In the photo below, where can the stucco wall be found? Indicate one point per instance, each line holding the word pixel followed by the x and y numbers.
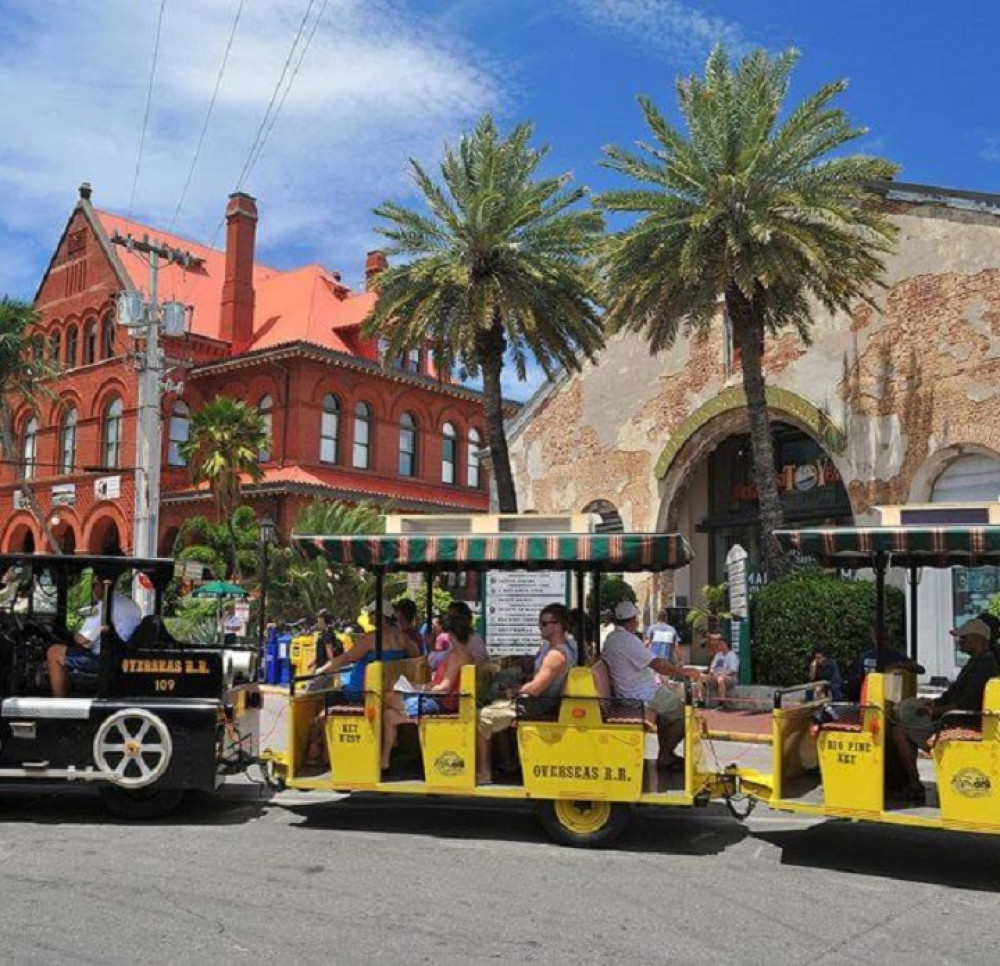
pixel 902 383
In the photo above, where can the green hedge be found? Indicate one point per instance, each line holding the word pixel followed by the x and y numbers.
pixel 791 615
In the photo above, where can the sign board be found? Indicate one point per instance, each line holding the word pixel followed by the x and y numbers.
pixel 736 574
pixel 64 494
pixel 512 604
pixel 108 487
pixel 20 500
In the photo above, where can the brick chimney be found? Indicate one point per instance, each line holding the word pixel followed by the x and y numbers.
pixel 375 262
pixel 237 290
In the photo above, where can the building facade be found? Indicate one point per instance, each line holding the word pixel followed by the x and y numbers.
pixel 892 404
pixel 344 422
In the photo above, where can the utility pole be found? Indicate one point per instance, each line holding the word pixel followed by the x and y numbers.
pixel 144 319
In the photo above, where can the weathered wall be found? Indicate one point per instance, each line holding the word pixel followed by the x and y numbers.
pixel 900 384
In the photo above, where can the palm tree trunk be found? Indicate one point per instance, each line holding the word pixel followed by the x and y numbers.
pixel 490 347
pixel 10 446
pixel 748 332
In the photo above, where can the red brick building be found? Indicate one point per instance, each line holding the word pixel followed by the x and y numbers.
pixel 344 423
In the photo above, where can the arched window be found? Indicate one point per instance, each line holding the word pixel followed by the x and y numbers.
pixel 408 445
pixel 29 448
pixel 89 343
pixel 55 347
pixel 329 430
pixel 449 453
pixel 111 433
pixel 475 445
pixel 72 337
pixel 266 409
pixel 108 336
pixel 362 436
pixel 67 442
pixel 179 430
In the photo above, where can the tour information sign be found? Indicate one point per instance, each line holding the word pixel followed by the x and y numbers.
pixel 512 604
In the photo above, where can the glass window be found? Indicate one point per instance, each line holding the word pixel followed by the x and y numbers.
pixel 89 343
pixel 55 347
pixel 71 340
pixel 29 450
pixel 362 435
pixel 475 445
pixel 408 445
pixel 449 453
pixel 266 409
pixel 108 336
pixel 179 430
pixel 67 443
pixel 112 433
pixel 329 431
pixel 414 358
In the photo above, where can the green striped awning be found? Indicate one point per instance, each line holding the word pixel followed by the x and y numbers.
pixel 562 551
pixel 903 546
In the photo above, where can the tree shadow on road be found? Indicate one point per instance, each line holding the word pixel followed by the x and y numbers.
pixel 954 859
pixel 683 832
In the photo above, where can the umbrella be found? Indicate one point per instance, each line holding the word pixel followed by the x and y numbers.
pixel 218 590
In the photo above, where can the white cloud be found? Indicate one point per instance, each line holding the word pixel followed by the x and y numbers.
pixel 376 87
pixel 680 30
pixel 989 146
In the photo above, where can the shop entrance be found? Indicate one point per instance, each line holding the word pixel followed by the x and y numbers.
pixel 812 494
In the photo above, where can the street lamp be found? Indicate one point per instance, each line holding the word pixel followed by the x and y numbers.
pixel 268 532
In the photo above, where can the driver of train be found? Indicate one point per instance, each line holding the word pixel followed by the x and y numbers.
pixel 84 653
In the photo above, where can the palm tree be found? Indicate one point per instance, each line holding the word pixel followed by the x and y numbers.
pixel 500 261
pixel 750 206
pixel 224 445
pixel 24 373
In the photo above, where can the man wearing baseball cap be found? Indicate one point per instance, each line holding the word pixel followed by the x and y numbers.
pixel 920 719
pixel 631 667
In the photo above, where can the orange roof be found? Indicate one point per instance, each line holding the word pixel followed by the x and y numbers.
pixel 307 304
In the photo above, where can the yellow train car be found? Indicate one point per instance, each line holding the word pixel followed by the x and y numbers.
pixel 583 760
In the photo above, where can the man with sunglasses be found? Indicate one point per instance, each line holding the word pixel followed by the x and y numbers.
pixel 919 719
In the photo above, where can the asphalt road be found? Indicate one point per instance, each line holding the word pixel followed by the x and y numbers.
pixel 315 880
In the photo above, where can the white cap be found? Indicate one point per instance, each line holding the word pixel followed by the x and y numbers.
pixel 625 610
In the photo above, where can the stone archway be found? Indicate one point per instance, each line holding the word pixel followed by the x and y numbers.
pixel 105 533
pixel 22 536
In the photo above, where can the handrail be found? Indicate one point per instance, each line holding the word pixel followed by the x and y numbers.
pixel 779 693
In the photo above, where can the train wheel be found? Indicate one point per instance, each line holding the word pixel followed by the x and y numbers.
pixel 584 824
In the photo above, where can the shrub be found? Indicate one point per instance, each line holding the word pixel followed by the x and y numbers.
pixel 614 589
pixel 791 615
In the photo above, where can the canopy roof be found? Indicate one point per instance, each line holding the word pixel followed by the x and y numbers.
pixel 901 546
pixel 504 551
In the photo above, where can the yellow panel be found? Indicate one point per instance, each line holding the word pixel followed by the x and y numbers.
pixel 969 772
pixel 448 745
pixel 354 741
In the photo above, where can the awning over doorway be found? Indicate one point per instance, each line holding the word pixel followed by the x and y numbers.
pixel 856 547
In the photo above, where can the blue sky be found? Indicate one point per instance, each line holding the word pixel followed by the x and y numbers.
pixel 385 79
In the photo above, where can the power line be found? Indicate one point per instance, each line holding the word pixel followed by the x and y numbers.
pixel 149 101
pixel 208 115
pixel 291 81
pixel 274 97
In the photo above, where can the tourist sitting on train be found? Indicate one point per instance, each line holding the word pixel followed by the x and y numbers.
pixel 459 609
pixel 823 668
pixel 723 668
pixel 919 718
pixel 361 653
pixel 439 697
pixel 633 669
pixel 404 611
pixel 84 653
pixel 557 653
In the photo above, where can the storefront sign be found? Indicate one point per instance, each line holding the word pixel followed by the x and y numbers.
pixel 108 487
pixel 20 500
pixel 64 494
pixel 513 601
